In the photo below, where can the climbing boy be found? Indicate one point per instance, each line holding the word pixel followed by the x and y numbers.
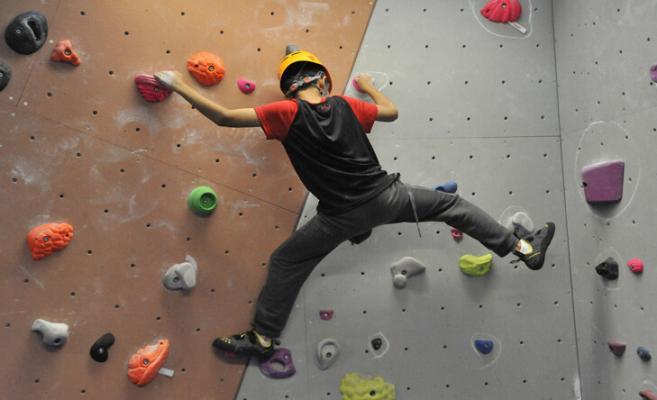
pixel 326 142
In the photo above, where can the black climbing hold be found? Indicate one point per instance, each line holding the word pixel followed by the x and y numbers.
pixel 5 74
pixel 644 354
pixel 100 349
pixel 27 32
pixel 360 238
pixel 377 343
pixel 608 269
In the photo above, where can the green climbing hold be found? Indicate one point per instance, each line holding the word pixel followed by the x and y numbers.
pixel 359 387
pixel 202 200
pixel 476 266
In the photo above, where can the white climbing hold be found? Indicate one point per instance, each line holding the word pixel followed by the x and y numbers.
pixel 405 268
pixel 327 352
pixel 52 333
pixel 181 276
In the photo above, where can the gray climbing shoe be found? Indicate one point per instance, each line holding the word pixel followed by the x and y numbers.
pixel 539 239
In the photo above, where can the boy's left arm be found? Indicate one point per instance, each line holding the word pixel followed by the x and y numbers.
pixel 220 115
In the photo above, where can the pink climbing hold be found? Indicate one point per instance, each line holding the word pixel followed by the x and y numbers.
pixel 356 85
pixel 653 73
pixel 648 394
pixel 502 10
pixel 616 347
pixel 456 234
pixel 150 88
pixel 603 182
pixel 325 315
pixel 635 265
pixel 246 86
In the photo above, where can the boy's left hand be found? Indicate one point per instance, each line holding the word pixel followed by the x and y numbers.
pixel 171 80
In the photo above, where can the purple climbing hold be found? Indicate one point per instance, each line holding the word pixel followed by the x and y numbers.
pixel 603 182
pixel 644 354
pixel 653 73
pixel 246 86
pixel 616 347
pixel 608 269
pixel 484 346
pixel 271 367
pixel 325 315
pixel 447 187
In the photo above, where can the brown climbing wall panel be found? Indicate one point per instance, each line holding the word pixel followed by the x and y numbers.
pixel 80 145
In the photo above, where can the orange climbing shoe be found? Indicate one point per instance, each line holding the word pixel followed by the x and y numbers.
pixel 45 239
pixel 144 365
pixel 245 343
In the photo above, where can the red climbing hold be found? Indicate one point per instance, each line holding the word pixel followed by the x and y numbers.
pixel 246 86
pixel 64 52
pixel 151 90
pixel 206 68
pixel 635 265
pixel 456 234
pixel 616 347
pixel 45 239
pixel 325 315
pixel 502 10
pixel 144 365
pixel 648 395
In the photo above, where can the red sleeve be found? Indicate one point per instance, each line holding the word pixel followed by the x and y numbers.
pixel 365 112
pixel 276 118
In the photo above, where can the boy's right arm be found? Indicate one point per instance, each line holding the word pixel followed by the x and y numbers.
pixel 386 109
pixel 220 115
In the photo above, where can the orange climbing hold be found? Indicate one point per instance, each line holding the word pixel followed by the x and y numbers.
pixel 45 239
pixel 206 68
pixel 64 52
pixel 144 365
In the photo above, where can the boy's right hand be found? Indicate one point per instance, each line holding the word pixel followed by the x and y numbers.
pixel 171 80
pixel 365 81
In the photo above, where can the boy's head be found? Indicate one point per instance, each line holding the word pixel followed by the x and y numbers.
pixel 300 70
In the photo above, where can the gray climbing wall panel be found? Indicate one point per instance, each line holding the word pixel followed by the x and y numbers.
pixel 477 105
pixel 604 50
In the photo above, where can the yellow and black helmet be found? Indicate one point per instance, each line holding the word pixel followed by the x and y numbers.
pixel 295 57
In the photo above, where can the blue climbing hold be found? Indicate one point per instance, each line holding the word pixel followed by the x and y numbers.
pixel 447 187
pixel 484 346
pixel 644 354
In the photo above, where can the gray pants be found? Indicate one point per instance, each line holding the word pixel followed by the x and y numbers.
pixel 294 260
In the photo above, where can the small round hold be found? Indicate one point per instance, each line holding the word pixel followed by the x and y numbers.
pixel 399 281
pixel 27 32
pixel 246 86
pixel 377 343
pixel 5 74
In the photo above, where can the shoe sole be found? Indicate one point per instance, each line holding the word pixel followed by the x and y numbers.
pixel 218 345
pixel 544 245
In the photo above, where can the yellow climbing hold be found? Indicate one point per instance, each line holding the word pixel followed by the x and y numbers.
pixel 359 387
pixel 476 266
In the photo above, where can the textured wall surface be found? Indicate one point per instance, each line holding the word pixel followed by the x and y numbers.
pixel 80 145
pixel 478 104
pixel 607 104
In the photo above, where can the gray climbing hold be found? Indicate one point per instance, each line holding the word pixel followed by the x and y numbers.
pixel 5 74
pixel 644 354
pixel 52 334
pixel 181 276
pixel 404 269
pixel 378 345
pixel 27 32
pixel 616 347
pixel 291 48
pixel 327 352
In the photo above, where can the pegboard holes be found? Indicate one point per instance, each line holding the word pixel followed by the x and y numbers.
pixel 364 311
pixel 403 310
pixel 110 72
pixel 126 33
pixel 212 290
pixel 216 160
pixel 7 324
pixel 226 251
pixel 49 94
pixel 178 145
pixel 430 119
pixel 122 170
pixel 503 81
pixel 182 13
pixel 183 369
pixel 258 49
pixel 363 272
pixel 467 118
pixel 188 238
pixel 72 294
pixel 32 137
pixel 164 185
pixel 522 342
pixel 36 380
pixel 148 225
pixel 501 45
pixel 168 51
pixel 116 306
pixel 540 81
pixel 133 265
pixel 78 155
pixel 26 280
pixel 221 32
pixel 94 112
pixel 198 329
pixel 322 274
pixel 307 30
pixel 89 252
pixel 388 46
pixel 158 318
pixel 289 189
pixel 14 180
pixel 83 13
pixel 137 129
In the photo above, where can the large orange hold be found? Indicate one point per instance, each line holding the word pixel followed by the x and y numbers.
pixel 147 361
pixel 206 68
pixel 45 239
